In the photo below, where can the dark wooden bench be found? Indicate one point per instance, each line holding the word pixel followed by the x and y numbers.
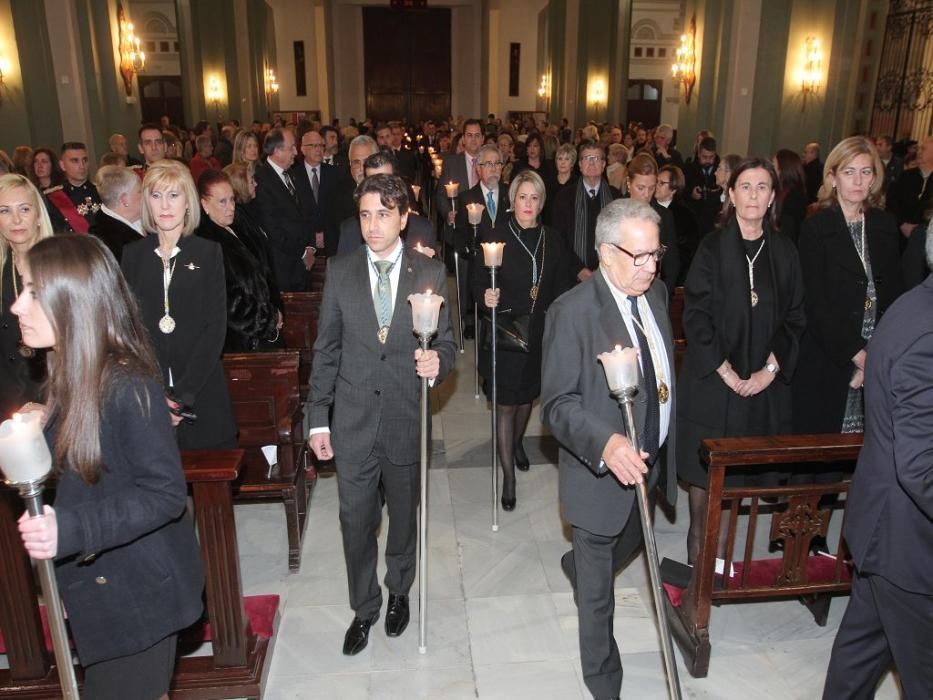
pixel 264 389
pixel 241 642
pixel 302 312
pixel 795 519
pixel 317 274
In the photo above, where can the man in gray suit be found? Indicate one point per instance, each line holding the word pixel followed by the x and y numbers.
pixel 367 365
pixel 459 168
pixel 621 304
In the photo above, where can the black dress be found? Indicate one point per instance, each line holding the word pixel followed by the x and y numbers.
pixel 20 377
pixel 721 323
pixel 518 373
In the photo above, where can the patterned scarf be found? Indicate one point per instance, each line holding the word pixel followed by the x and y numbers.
pixel 579 220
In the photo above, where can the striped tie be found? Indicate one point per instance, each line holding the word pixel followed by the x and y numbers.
pixel 383 297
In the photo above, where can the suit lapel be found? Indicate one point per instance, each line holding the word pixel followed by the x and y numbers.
pixel 364 291
pixel 401 321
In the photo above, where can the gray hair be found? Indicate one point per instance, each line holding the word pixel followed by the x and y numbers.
pixel 490 148
pixel 615 213
pixel 113 181
pixel 364 140
pixel 929 245
pixel 665 130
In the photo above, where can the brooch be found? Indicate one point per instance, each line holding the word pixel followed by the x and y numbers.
pixel 191 266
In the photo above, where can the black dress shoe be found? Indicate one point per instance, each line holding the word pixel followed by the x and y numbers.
pixel 397 615
pixel 508 493
pixel 357 636
pixel 469 333
pixel 520 458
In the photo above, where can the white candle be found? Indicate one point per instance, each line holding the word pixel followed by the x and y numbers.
pixel 437 172
pixel 452 189
pixel 492 254
pixel 621 367
pixel 417 191
pixel 475 213
pixel 24 453
pixel 425 309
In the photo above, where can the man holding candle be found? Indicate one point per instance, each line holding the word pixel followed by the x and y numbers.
pixel 623 304
pixel 367 366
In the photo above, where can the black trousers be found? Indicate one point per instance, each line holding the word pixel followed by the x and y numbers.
pixel 595 561
pixel 882 624
pixel 360 517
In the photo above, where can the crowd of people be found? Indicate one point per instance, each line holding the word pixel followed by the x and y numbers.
pixel 788 265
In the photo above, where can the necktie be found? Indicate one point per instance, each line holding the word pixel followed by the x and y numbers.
pixel 315 182
pixel 470 169
pixel 289 185
pixel 383 297
pixel 491 206
pixel 592 194
pixel 652 432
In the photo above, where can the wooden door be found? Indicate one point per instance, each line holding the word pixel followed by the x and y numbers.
pixel 406 60
pixel 644 102
pixel 161 95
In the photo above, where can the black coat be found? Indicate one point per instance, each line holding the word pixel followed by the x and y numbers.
pixel 464 233
pixel 706 209
pixel 670 265
pixel 793 212
pixel 718 326
pixel 317 210
pixel 114 233
pixel 836 288
pixel 128 563
pixel 21 377
pixel 251 314
pixel 687 234
pixel 194 351
pixel 564 215
pixel 288 226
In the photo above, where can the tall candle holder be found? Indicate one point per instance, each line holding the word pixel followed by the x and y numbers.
pixel 475 217
pixel 492 259
pixel 425 309
pixel 621 367
pixel 25 461
pixel 453 188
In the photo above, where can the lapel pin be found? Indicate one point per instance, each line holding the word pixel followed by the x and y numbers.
pixel 191 266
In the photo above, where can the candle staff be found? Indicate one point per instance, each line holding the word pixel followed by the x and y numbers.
pixel 453 190
pixel 492 259
pixel 475 217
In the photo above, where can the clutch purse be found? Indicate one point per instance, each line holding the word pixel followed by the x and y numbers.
pixel 513 332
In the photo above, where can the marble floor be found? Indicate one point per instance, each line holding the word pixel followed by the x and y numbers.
pixel 501 619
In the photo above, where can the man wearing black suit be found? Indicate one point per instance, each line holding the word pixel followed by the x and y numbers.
pixel 622 303
pixel 281 213
pixel 889 515
pixel 812 170
pixel 662 151
pixel 701 192
pixel 404 156
pixel 459 168
pixel 332 153
pixel 348 177
pixel 319 179
pixel 367 368
pixel 576 208
pixel 118 221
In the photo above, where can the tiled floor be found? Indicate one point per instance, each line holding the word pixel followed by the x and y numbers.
pixel 501 619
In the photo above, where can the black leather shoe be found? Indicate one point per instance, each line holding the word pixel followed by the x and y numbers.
pixel 469 332
pixel 508 493
pixel 357 636
pixel 397 615
pixel 520 458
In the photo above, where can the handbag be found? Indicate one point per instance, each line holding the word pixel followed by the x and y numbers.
pixel 513 332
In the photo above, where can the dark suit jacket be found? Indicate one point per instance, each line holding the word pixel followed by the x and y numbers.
pixel 835 289
pixel 913 196
pixel 454 169
pixel 889 514
pixel 198 303
pixel 373 388
pixel 114 233
pixel 564 215
pixel 464 232
pixel 707 208
pixel 407 163
pixel 288 225
pixel 131 528
pixel 317 210
pixel 582 415
pixel 418 230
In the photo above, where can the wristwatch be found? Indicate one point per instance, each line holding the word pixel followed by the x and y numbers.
pixel 771 367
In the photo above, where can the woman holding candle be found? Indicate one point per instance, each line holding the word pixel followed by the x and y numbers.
pixel 179 283
pixel 24 222
pixel 127 560
pixel 743 317
pixel 535 270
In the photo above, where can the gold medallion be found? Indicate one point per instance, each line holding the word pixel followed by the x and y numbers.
pixel 166 324
pixel 663 393
pixel 383 334
pixel 867 304
pixel 533 293
pixel 754 298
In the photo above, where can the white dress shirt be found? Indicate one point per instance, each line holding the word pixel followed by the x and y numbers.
pixel 136 226
pixel 279 172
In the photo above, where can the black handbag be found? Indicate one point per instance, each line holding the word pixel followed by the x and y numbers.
pixel 513 332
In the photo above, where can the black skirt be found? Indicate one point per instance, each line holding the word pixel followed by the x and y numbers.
pixel 144 675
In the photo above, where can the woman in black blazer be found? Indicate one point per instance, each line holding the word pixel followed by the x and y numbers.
pixel 793 204
pixel 179 283
pixel 743 316
pixel 851 274
pixel 127 560
pixel 253 319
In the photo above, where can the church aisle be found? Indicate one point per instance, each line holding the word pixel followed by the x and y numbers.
pixel 502 623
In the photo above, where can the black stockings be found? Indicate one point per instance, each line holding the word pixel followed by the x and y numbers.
pixel 698 501
pixel 511 422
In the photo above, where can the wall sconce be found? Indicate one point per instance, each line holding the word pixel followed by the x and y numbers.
pixel 544 87
pixel 132 57
pixel 5 68
pixel 811 75
pixel 272 83
pixel 684 70
pixel 597 93
pixel 214 93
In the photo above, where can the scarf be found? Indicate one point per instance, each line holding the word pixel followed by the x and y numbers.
pixel 579 218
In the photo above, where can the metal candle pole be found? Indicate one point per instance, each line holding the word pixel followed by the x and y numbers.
pixel 26 462
pixel 424 310
pixel 492 257
pixel 452 190
pixel 621 368
pixel 475 215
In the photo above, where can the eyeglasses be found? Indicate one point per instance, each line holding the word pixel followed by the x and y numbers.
pixel 312 145
pixel 665 183
pixel 592 159
pixel 491 164
pixel 640 259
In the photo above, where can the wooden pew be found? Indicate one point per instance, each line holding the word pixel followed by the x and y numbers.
pixel 795 520
pixel 302 312
pixel 317 274
pixel 264 389
pixel 238 665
